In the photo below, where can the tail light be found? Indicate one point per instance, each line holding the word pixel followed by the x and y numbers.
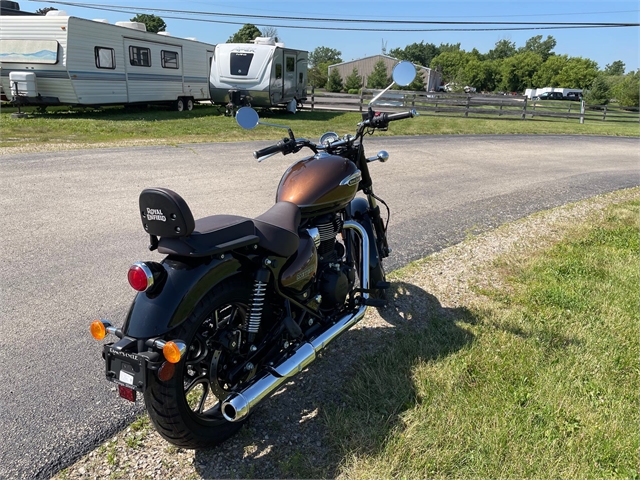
pixel 140 277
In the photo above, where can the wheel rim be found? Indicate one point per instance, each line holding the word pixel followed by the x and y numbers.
pixel 203 388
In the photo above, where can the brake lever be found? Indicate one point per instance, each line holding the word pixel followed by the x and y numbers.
pixel 262 159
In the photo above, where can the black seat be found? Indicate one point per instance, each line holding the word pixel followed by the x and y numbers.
pixel 275 230
pixel 278 228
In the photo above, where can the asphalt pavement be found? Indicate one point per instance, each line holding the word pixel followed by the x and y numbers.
pixel 71 230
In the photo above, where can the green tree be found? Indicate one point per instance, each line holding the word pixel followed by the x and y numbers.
pixel 353 81
pixel 518 71
pixel 577 73
pixel 541 47
pixel 247 34
pixel 43 11
pixel 599 93
pixel 318 75
pixel 483 75
pixel 451 64
pixel 627 92
pixel 616 68
pixel 419 53
pixel 547 74
pixel 334 83
pixel 379 77
pixel 502 49
pixel 449 47
pixel 153 23
pixel 326 55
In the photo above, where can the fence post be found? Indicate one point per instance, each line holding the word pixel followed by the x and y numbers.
pixel 313 91
pixel 500 114
pixel 582 111
pixel 361 99
pixel 413 101
pixel 569 111
pixel 533 108
pixel 466 110
pixel 524 109
pixel 604 114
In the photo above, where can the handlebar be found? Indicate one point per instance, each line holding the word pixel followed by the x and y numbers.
pixel 292 145
pixel 286 145
pixel 381 120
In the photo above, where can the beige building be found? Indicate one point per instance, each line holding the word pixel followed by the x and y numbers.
pixel 365 66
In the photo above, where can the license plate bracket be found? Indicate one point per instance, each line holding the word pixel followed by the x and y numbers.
pixel 126 368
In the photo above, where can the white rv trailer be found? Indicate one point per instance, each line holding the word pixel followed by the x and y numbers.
pixel 61 60
pixel 261 74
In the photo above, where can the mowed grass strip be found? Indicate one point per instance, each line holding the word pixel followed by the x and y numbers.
pixel 537 380
pixel 117 126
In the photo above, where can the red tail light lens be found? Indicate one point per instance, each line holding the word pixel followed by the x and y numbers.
pixel 140 277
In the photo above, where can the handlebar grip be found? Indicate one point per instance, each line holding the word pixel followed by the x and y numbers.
pixel 268 150
pixel 401 116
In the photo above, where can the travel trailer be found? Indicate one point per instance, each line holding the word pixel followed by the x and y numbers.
pixel 260 74
pixel 61 60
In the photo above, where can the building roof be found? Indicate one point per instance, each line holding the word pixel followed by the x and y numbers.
pixel 374 56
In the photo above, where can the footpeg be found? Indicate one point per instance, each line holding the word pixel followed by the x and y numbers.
pixel 375 302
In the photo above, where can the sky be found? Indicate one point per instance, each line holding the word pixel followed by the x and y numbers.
pixel 603 45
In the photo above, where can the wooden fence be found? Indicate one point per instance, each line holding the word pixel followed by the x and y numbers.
pixel 478 105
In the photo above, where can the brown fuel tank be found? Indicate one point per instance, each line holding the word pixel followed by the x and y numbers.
pixel 320 184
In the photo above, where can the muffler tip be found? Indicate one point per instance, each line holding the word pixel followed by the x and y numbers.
pixel 235 408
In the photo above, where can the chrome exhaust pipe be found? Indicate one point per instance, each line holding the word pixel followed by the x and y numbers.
pixel 238 405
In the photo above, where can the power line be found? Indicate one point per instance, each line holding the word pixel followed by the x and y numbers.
pixel 538 25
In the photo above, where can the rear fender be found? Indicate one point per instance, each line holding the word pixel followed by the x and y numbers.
pixel 154 313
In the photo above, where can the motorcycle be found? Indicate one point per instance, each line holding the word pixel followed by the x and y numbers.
pixel 238 305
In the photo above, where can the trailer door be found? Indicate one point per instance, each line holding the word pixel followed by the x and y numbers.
pixel 290 76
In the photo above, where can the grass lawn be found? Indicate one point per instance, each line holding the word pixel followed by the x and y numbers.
pixel 116 126
pixel 539 378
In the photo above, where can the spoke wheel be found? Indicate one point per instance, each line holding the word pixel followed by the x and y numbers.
pixel 186 408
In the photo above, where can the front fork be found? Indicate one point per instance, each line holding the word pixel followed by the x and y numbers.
pixel 378 225
pixel 366 185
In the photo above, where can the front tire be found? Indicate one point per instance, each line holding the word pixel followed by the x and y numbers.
pixel 186 409
pixel 179 104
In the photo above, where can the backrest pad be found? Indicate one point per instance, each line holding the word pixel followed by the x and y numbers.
pixel 164 213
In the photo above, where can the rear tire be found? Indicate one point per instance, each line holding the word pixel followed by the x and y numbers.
pixel 189 104
pixel 171 404
pixel 179 104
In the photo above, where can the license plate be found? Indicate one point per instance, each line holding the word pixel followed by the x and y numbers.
pixel 126 369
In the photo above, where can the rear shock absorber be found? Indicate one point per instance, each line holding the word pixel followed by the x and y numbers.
pixel 257 303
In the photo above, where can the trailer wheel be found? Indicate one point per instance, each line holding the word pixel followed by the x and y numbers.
pixel 179 105
pixel 189 104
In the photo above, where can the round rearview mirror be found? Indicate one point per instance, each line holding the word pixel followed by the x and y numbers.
pixel 404 73
pixel 247 118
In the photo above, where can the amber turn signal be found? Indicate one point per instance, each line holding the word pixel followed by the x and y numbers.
pixel 172 351
pixel 98 330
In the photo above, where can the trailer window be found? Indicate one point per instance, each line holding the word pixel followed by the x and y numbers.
pixel 240 62
pixel 291 64
pixel 169 59
pixel 29 51
pixel 139 56
pixel 105 57
pixel 278 71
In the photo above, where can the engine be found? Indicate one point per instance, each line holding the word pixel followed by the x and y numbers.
pixel 335 277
